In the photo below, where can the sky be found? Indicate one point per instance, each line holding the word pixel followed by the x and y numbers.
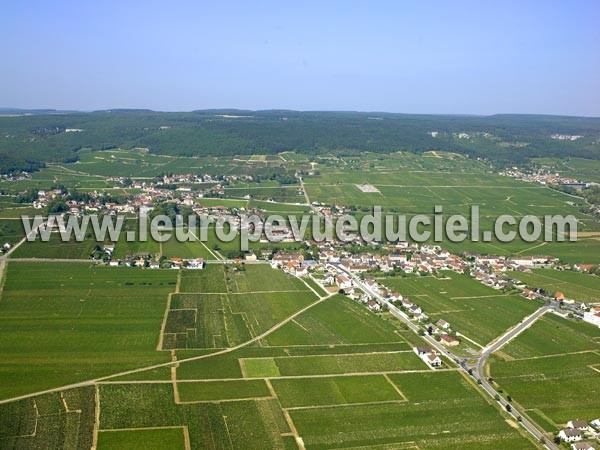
pixel 449 57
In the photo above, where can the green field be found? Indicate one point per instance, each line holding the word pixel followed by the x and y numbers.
pixel 217 307
pixel 251 424
pixel 477 311
pixel 458 418
pixel 336 375
pixel 61 323
pixel 261 278
pixel 220 320
pixel 210 279
pixel 553 335
pixel 11 231
pixel 142 439
pixel 56 248
pixel 206 391
pixel 574 285
pixel 335 321
pixel 552 370
pixel 62 420
pixel 304 392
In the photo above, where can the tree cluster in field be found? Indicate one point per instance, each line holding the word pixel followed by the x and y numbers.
pixel 28 142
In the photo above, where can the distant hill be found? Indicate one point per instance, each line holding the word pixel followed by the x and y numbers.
pixel 33 137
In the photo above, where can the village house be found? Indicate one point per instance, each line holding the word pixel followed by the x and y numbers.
pixel 578 425
pixel 281 258
pixel 422 350
pixel 374 306
pixel 583 446
pixel 197 263
pixel 343 281
pixel 428 355
pixel 434 360
pixel 443 324
pixel 448 340
pixel 415 309
pixel 570 435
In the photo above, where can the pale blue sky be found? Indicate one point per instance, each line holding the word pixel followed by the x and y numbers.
pixel 474 57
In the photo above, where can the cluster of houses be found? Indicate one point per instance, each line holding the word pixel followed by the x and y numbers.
pixel 428 355
pixel 150 262
pixel 544 177
pixel 577 431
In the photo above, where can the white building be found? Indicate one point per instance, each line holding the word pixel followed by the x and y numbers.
pixel 569 435
pixel 592 316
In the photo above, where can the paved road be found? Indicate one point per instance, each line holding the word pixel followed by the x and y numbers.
pixel 532 428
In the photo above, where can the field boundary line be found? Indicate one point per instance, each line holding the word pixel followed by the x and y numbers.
pixel 480 296
pixel 282 377
pixel 161 335
pixel 331 354
pixel 343 405
pixel 336 345
pixel 96 417
pixel 288 418
pixel 170 363
pixel 396 388
pixel 225 400
pixel 404 445
pixel 67 410
pixel 310 287
pixel 470 340
pixel 174 378
pixel 554 355
pixel 241 293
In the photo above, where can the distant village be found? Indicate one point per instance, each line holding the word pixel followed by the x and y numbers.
pixel 328 263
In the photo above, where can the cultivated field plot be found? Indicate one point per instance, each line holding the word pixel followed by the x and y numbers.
pixel 211 279
pixel 11 231
pixel 62 323
pixel 221 320
pixel 310 392
pixel 477 311
pixel 128 249
pixel 168 438
pixel 139 163
pixel 553 335
pixel 456 418
pixel 261 278
pixel 574 285
pixel 187 250
pixel 578 168
pixel 206 391
pixel 56 248
pixel 337 320
pixel 553 370
pixel 222 306
pixel 59 420
pixel 247 424
pixel 331 364
pixel 286 194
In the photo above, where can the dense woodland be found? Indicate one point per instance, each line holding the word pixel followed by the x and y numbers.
pixel 28 139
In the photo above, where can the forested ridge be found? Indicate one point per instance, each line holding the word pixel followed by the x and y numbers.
pixel 30 138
